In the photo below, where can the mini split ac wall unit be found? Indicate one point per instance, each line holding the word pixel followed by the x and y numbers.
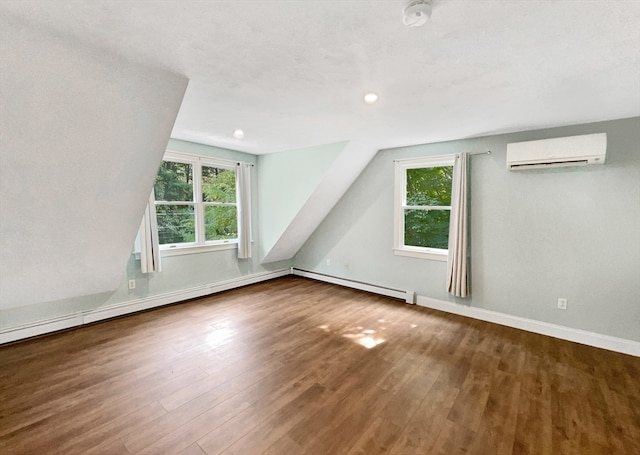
pixel 559 152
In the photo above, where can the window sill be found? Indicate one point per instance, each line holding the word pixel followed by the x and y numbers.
pixel 194 249
pixel 422 253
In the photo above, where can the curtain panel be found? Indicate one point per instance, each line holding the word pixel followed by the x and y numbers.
pixel 458 262
pixel 243 190
pixel 149 243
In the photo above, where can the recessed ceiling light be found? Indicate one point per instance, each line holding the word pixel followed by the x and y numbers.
pixel 238 133
pixel 370 98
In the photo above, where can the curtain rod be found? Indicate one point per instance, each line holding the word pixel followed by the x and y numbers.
pixel 243 162
pixel 488 152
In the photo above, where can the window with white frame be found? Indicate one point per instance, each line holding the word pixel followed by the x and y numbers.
pixel 196 201
pixel 423 206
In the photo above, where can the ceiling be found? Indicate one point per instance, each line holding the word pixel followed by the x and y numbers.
pixel 292 73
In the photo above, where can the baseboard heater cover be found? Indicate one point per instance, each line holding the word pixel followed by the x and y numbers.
pixel 407 296
pixel 74 320
pixel 70 321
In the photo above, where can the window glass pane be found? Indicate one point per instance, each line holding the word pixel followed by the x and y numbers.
pixel 427 228
pixel 176 223
pixel 220 222
pixel 218 185
pixel 174 182
pixel 429 186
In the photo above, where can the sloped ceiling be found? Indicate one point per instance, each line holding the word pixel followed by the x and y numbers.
pixel 285 182
pixel 287 232
pixel 292 73
pixel 83 133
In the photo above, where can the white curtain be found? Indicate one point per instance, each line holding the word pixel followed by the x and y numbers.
pixel 149 244
pixel 243 190
pixel 458 263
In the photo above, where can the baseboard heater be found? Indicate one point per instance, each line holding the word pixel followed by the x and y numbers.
pixel 89 316
pixel 407 296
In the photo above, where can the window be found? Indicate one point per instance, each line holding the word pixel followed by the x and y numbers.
pixel 423 207
pixel 196 202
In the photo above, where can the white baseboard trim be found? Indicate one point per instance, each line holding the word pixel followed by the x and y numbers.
pixel 132 306
pixel 531 325
pixel 407 296
pixel 120 309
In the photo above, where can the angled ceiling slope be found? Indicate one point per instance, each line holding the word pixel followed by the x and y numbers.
pixel 82 133
pixel 316 201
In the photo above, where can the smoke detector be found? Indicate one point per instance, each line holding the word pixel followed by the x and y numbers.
pixel 416 13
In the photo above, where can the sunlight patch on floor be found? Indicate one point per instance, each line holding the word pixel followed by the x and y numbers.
pixel 367 337
pixel 222 333
pixel 359 335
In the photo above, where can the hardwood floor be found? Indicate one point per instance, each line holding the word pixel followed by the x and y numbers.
pixel 294 366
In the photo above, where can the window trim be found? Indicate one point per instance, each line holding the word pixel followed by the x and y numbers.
pixel 192 248
pixel 200 245
pixel 400 204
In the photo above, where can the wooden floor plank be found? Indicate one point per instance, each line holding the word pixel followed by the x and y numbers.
pixel 284 445
pixel 297 366
pixel 422 430
pixel 275 426
pixel 184 436
pixel 193 449
pixel 377 439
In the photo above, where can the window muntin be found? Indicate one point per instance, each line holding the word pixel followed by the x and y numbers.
pixel 423 207
pixel 195 202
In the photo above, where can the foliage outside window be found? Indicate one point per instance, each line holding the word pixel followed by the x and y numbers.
pixel 423 207
pixel 196 203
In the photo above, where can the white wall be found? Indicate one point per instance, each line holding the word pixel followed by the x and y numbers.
pixel 535 235
pixel 82 134
pixel 287 179
pixel 179 273
pixel 300 187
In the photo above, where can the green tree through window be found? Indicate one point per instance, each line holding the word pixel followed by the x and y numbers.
pixel 423 206
pixel 195 201
pixel 176 222
pixel 219 187
pixel 430 190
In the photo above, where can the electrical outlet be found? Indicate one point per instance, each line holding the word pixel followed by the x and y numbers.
pixel 328 261
pixel 346 266
pixel 562 304
pixel 132 284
